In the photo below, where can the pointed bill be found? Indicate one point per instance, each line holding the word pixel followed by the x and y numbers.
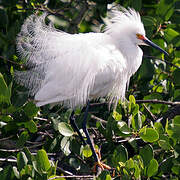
pixel 150 43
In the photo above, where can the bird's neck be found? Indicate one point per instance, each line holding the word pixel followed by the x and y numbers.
pixel 132 53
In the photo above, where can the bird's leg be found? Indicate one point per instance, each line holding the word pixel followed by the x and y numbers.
pixel 97 155
pixel 87 133
pixel 74 126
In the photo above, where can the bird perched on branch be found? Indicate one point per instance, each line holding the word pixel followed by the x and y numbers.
pixel 72 69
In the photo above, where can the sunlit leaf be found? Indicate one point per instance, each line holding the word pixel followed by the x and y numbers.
pixel 4 91
pixel 65 145
pixel 149 134
pixel 65 129
pixel 42 160
pixel 21 160
pixel 152 168
pixel 87 151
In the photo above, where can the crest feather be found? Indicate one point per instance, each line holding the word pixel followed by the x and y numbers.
pixel 124 20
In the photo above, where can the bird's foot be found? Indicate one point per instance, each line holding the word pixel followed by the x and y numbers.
pixel 102 165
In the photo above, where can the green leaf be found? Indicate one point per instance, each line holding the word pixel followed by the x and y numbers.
pixel 176 95
pixel 7 173
pixel 137 171
pixel 31 126
pixel 65 129
pixel 132 99
pixel 30 109
pixel 152 168
pixel 105 175
pixel 158 126
pixel 176 169
pixel 86 151
pixel 176 120
pixel 120 155
pixel 164 144
pixel 147 154
pixel 123 127
pixel 65 145
pixel 16 172
pixel 165 9
pixel 29 156
pixel 149 21
pixel 74 163
pixel 22 139
pixel 21 160
pixel 136 121
pixel 4 91
pixel 117 116
pixel 29 170
pixel 166 165
pixel 171 36
pixel 129 163
pixel 149 134
pixel 137 4
pixel 56 177
pixel 153 96
pixel 42 160
pixel 173 129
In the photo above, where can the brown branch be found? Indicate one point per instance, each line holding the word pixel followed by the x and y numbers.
pixel 8 160
pixel 4 139
pixel 98 119
pixel 156 101
pixel 74 176
pixel 153 57
pixel 170 114
pixel 151 114
pixel 1 57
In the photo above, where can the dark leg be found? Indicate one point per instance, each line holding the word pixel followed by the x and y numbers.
pixel 87 134
pixel 74 126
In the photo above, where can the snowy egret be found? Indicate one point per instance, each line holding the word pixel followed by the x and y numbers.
pixel 73 69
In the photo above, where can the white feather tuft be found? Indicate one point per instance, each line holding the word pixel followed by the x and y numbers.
pixel 70 69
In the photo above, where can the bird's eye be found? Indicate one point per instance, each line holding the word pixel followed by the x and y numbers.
pixel 140 36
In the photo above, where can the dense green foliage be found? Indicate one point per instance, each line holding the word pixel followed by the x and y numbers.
pixel 141 139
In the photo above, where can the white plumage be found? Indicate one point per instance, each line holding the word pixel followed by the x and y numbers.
pixel 70 69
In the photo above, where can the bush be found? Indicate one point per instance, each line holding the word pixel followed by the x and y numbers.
pixel 140 140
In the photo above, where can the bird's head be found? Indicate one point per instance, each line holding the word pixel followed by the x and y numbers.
pixel 126 27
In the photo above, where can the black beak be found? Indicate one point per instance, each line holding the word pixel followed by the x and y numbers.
pixel 150 43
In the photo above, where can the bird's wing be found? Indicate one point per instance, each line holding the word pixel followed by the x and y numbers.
pixel 63 66
pixel 70 76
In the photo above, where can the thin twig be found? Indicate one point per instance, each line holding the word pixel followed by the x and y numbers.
pixel 41 119
pixel 74 176
pixel 4 139
pixel 77 20
pixel 151 114
pixel 98 119
pixel 170 114
pixel 64 171
pixel 153 57
pixel 10 150
pixel 10 61
pixel 156 101
pixel 7 160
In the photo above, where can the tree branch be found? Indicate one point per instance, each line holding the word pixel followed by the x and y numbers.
pixel 77 20
pixel 170 114
pixel 156 101
pixel 153 57
pixel 74 176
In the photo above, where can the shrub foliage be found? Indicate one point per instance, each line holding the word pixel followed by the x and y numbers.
pixel 140 140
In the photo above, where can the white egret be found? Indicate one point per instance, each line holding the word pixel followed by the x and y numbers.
pixel 71 69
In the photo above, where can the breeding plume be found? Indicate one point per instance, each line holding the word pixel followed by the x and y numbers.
pixel 73 69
